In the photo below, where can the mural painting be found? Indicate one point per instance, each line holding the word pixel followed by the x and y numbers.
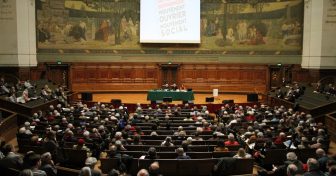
pixel 227 26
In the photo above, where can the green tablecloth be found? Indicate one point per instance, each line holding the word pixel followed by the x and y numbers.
pixel 154 95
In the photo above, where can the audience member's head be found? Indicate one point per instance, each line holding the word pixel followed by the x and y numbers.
pixel 291 156
pixel 220 143
pixel 34 160
pixel 312 164
pixel 143 172
pixel 154 169
pixel 114 172
pixel 332 170
pixel 80 142
pixel 46 158
pixel 91 162
pixel 152 153
pixel 26 172
pixel 7 148
pixel 320 152
pixel 85 171
pixel 180 151
pixel 241 152
pixel 292 170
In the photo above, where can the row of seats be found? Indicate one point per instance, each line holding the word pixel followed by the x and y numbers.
pixel 201 167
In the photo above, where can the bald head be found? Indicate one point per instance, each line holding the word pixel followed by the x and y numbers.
pixel 312 164
pixel 143 172
pixel 291 156
pixel 292 170
pixel 320 152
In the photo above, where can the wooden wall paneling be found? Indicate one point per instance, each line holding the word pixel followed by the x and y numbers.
pixel 151 75
pixel 91 75
pixel 24 73
pixel 144 76
pixel 114 76
pixel 78 76
pixel 226 77
pixel 70 77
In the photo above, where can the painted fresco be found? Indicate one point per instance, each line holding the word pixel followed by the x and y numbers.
pixel 227 27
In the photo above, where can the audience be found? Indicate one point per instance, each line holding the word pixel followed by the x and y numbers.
pixel 313 168
pixel 107 127
pixel 25 91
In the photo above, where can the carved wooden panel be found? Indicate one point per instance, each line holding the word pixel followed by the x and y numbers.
pixel 226 77
pixel 145 76
pixel 113 76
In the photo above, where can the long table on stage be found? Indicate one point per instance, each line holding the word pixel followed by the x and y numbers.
pixel 154 95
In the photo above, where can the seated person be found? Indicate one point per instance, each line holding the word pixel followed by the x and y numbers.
pixel 231 141
pixel 154 169
pixel 173 86
pixel 182 87
pixel 34 161
pixel 197 137
pixel 3 86
pixel 279 93
pixel 89 169
pixel 242 154
pixel 11 159
pixel 151 154
pixel 167 142
pixel 319 88
pixel 24 98
pixel 81 146
pixel 220 147
pixel 27 84
pixel 45 95
pixel 291 159
pixel 12 98
pixel 180 154
pixel 330 89
pixel 165 86
pixel 47 164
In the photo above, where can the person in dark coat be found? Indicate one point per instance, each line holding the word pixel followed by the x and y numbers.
pixel 47 164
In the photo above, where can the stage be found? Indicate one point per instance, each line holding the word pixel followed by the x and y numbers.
pixel 199 98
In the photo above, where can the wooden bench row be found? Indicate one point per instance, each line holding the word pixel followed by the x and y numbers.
pixel 194 148
pixel 192 167
pixel 172 155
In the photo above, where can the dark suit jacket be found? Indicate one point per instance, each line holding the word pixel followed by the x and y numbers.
pixel 12 160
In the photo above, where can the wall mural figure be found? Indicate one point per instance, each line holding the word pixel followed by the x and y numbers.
pixel 237 26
